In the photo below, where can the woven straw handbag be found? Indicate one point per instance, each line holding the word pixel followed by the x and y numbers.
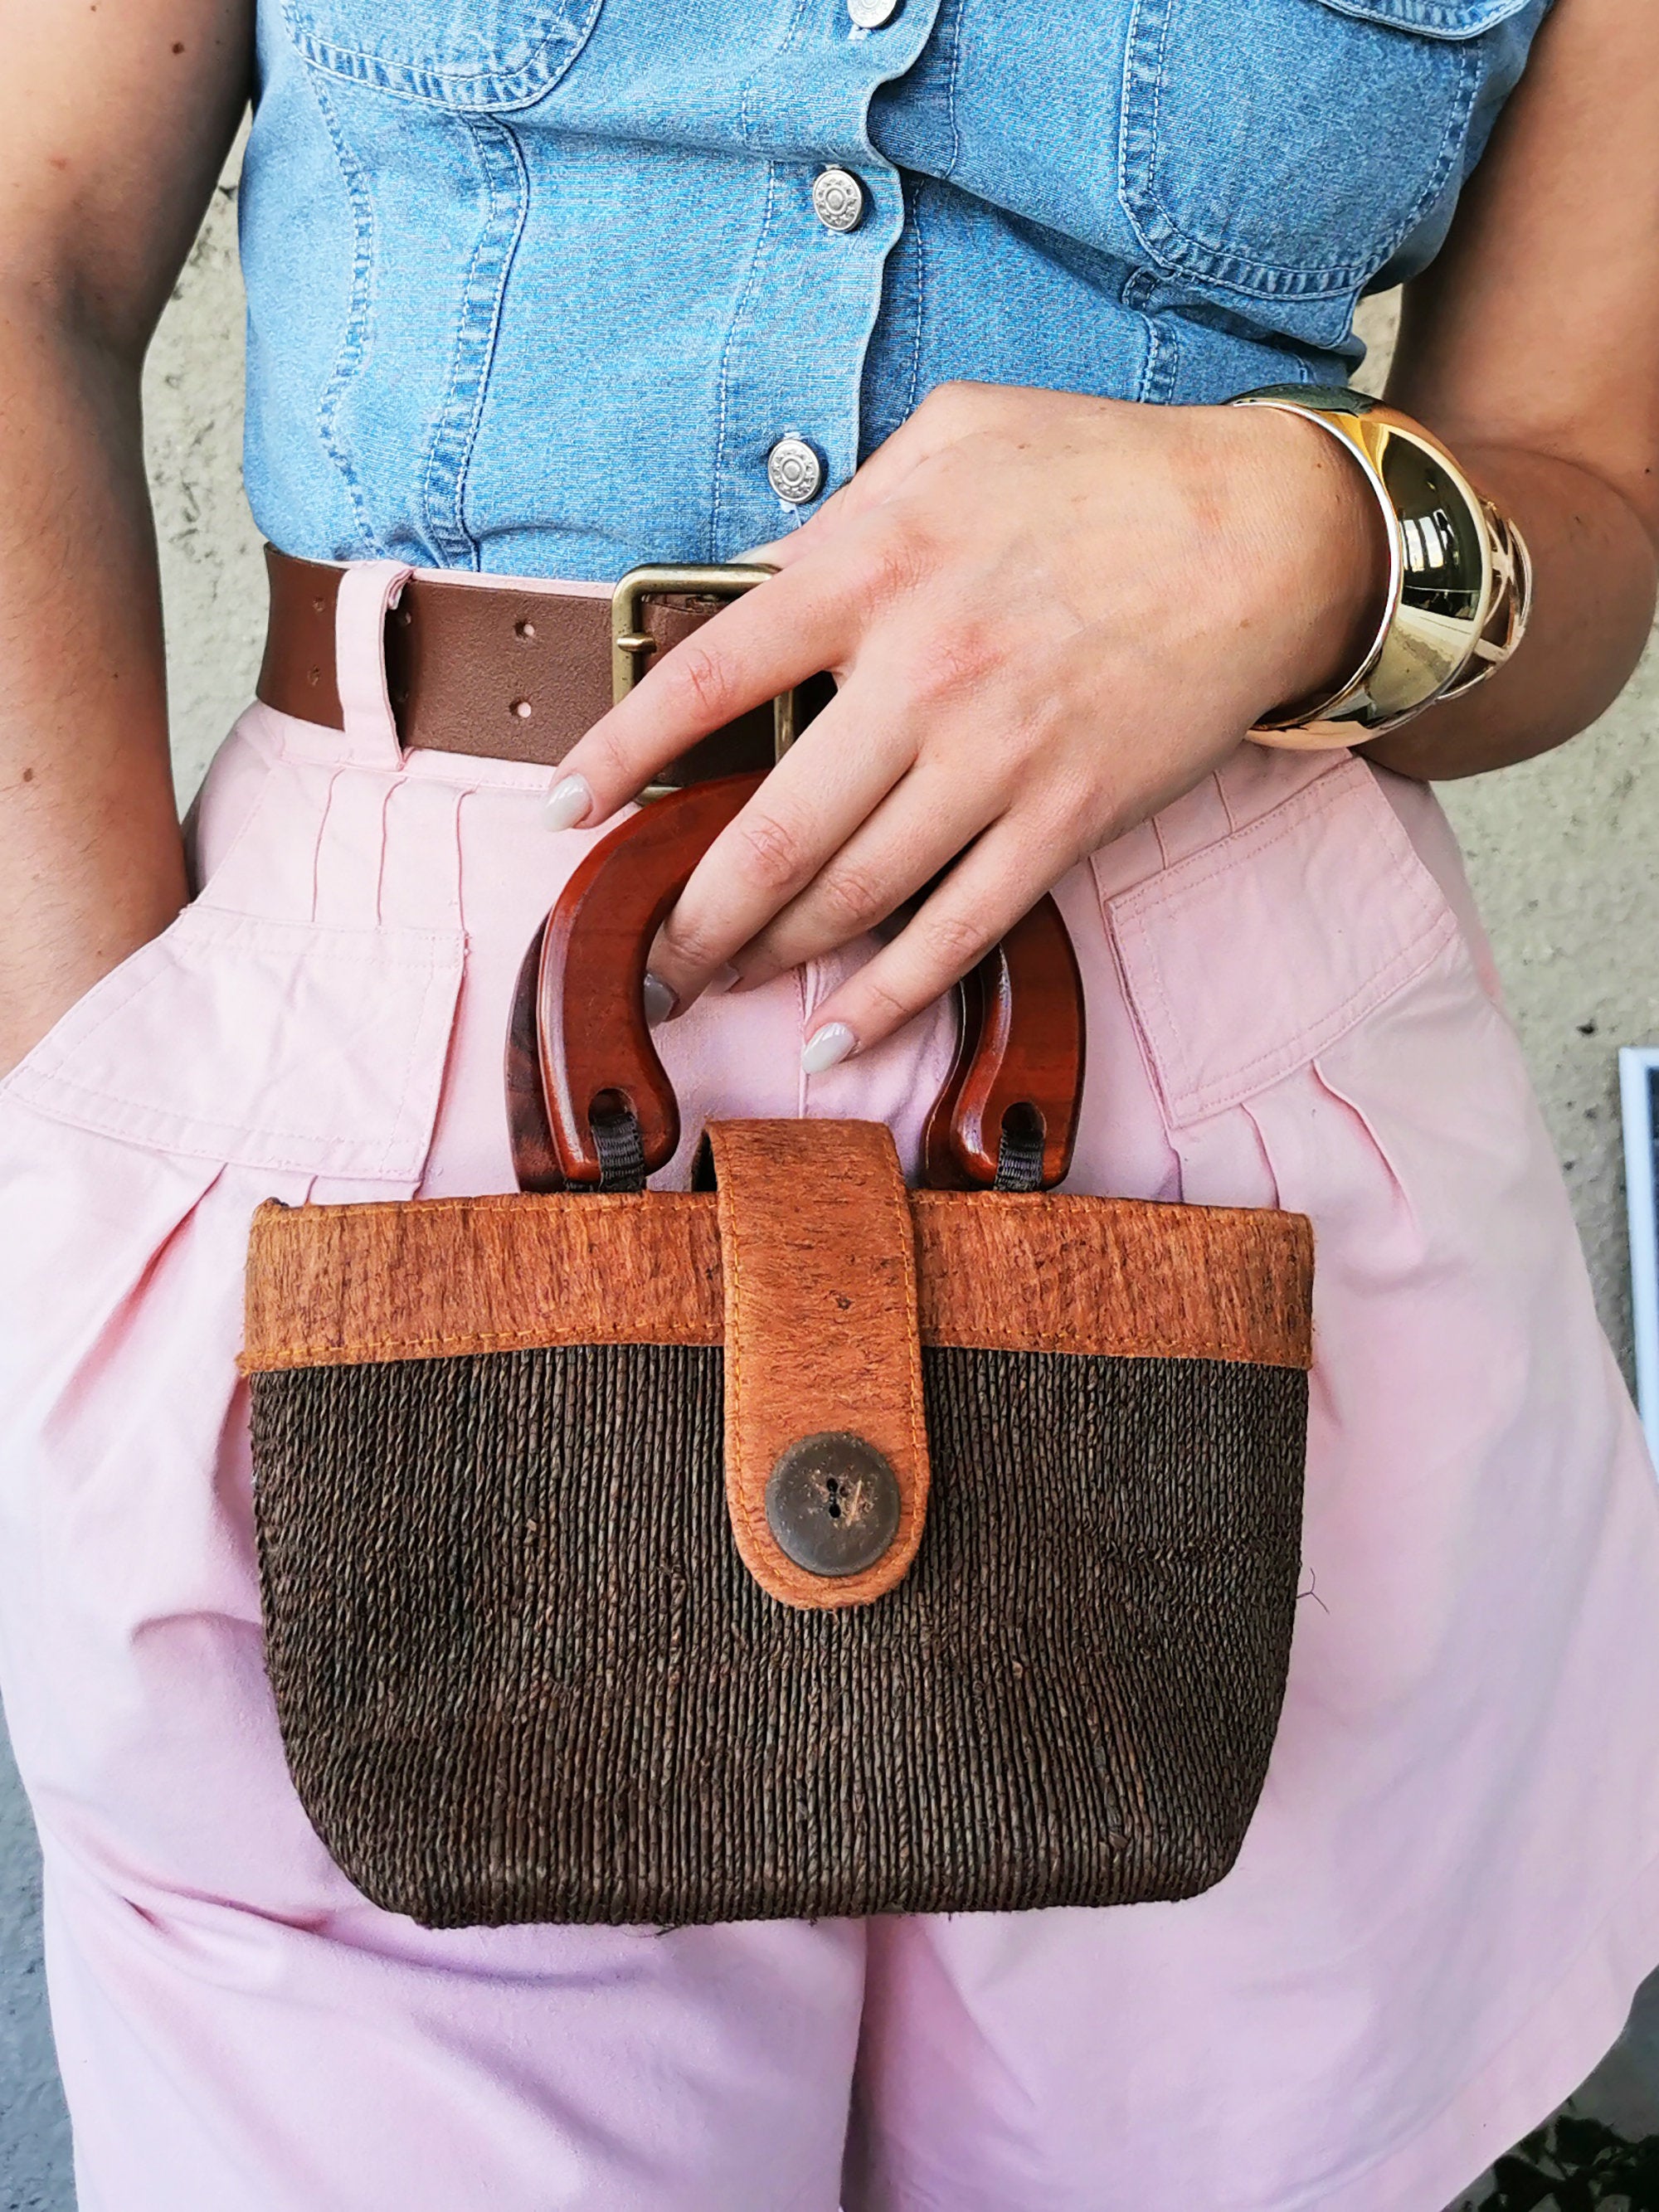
pixel 798 1545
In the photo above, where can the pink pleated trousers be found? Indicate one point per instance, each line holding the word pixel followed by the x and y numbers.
pixel 1449 1892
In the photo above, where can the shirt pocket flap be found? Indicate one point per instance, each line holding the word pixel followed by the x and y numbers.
pixel 464 54
pixel 1288 150
pixel 1433 19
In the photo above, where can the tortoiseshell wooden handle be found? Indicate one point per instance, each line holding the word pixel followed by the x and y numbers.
pixel 579 1049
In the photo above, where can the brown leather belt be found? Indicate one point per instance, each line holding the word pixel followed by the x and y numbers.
pixel 506 671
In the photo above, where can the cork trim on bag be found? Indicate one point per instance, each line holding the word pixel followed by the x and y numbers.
pixel 434 1278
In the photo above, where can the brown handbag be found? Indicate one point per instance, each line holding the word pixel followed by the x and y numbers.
pixel 802 1545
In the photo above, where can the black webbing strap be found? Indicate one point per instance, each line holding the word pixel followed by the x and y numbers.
pixel 621 1149
pixel 1019 1153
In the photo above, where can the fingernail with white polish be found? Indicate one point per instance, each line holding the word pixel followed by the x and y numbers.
pixel 827 1047
pixel 568 803
pixel 658 1000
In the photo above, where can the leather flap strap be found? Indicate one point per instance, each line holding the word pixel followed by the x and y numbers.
pixel 826 1444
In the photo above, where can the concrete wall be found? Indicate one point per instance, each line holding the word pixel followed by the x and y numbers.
pixel 1559 852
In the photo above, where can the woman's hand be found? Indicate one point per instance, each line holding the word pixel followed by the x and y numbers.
pixel 1047 618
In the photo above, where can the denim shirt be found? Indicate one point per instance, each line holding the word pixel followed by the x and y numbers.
pixel 538 286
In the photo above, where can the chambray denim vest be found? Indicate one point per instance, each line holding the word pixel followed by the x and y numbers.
pixel 538 286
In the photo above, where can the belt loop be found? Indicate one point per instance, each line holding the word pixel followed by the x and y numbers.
pixel 368 591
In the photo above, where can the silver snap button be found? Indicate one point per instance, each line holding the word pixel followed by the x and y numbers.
pixel 838 199
pixel 871 15
pixel 832 1501
pixel 794 471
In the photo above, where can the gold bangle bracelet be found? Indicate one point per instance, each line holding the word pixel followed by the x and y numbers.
pixel 1459 577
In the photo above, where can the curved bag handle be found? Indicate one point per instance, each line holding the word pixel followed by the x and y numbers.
pixel 589 1101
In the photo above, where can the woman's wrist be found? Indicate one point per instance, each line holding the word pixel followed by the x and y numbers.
pixel 1319 550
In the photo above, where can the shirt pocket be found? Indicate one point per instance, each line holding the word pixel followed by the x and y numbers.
pixel 284 1046
pixel 1290 148
pixel 467 54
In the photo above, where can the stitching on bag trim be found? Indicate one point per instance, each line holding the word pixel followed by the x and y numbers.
pixel 324 1352
pixel 920 1471
pixel 726 1228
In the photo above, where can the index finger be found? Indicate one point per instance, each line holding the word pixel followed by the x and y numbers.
pixel 771 639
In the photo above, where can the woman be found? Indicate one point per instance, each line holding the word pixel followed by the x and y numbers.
pixel 898 292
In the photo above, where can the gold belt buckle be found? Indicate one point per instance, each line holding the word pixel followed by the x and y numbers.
pixel 632 646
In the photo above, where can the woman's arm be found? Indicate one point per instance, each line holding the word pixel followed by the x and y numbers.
pixel 1532 347
pixel 117 119
pixel 1049 616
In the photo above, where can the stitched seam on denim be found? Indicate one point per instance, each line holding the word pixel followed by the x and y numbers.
pixel 798 21
pixel 733 334
pixel 951 115
pixel 919 234
pixel 1427 17
pixel 1188 1100
pixel 428 79
pixel 1162 364
pixel 1176 248
pixel 454 437
pixel 354 347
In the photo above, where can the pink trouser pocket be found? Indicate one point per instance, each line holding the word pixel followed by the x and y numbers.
pixel 258 1043
pixel 240 1055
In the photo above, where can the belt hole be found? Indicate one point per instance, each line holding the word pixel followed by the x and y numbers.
pixel 523 710
pixel 527 630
